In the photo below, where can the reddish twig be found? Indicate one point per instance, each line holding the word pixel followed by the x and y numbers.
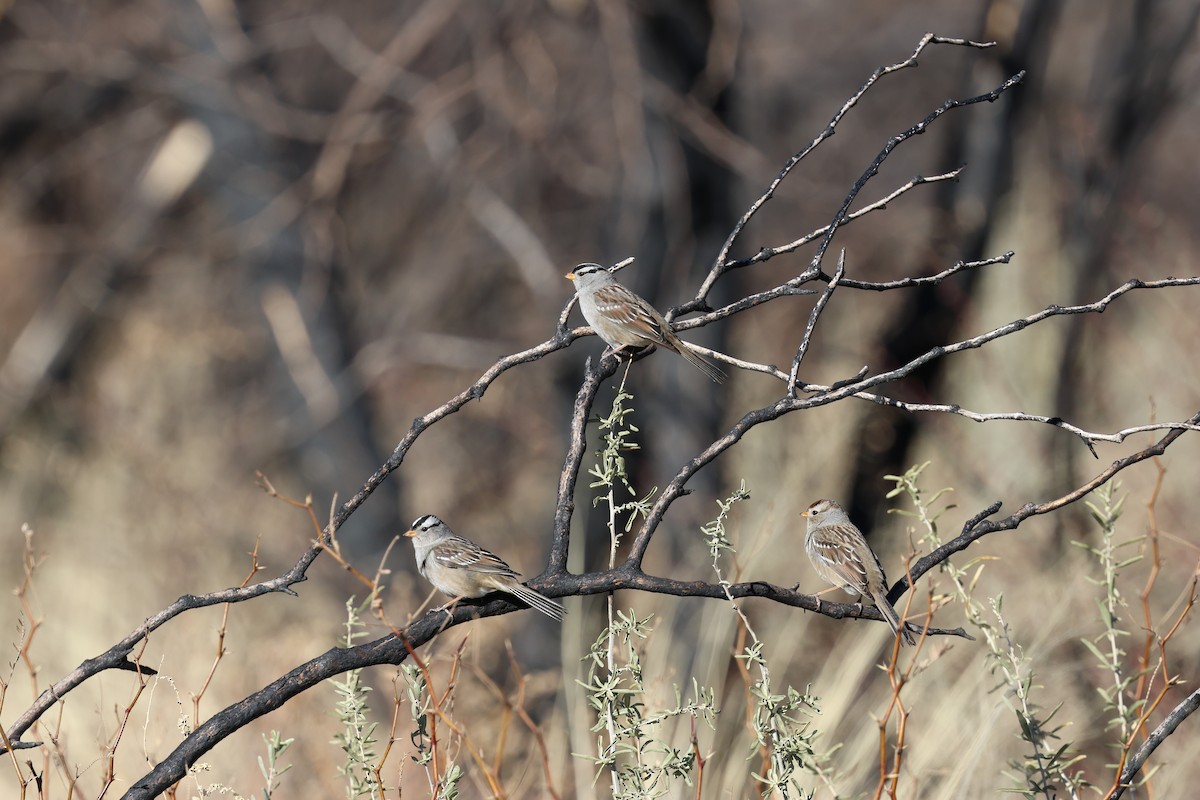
pixel 255 568
pixel 1128 767
pixel 533 728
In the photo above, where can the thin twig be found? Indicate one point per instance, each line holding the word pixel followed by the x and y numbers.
pixel 255 568
pixel 1126 769
pixel 813 316
pixel 720 265
pixel 978 527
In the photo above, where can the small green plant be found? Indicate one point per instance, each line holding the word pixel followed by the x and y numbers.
pixel 270 769
pixel 1048 768
pixel 1107 647
pixel 781 723
pixel 610 471
pixel 443 783
pixel 357 737
pixel 638 762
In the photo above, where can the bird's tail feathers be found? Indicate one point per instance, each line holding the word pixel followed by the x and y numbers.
pixel 540 602
pixel 893 619
pixel 715 373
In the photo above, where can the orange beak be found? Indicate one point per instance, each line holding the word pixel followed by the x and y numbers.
pixel 570 276
pixel 802 513
pixel 410 534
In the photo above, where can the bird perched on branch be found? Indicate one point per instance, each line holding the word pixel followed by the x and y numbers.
pixel 840 554
pixel 623 319
pixel 462 569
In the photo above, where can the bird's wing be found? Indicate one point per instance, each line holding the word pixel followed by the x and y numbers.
pixel 841 561
pixel 465 554
pixel 624 306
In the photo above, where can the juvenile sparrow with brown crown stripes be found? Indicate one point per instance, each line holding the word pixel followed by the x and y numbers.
pixel 840 554
pixel 623 319
pixel 462 569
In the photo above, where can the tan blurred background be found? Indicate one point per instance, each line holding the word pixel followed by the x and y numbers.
pixel 267 236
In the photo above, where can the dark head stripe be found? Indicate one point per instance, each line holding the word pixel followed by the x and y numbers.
pixel 425 522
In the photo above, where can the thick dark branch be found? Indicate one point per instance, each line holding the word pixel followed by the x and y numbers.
pixel 391 649
pixel 22 746
pixel 564 507
pixel 1156 737
pixel 768 591
pixel 116 657
pixel 388 650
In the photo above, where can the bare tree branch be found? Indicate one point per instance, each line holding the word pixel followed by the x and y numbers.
pixel 720 264
pixel 977 527
pixel 767 253
pixel 786 405
pixel 1157 736
pixel 813 316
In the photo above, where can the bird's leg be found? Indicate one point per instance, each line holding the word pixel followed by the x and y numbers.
pixel 816 595
pixel 449 609
pixel 449 606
